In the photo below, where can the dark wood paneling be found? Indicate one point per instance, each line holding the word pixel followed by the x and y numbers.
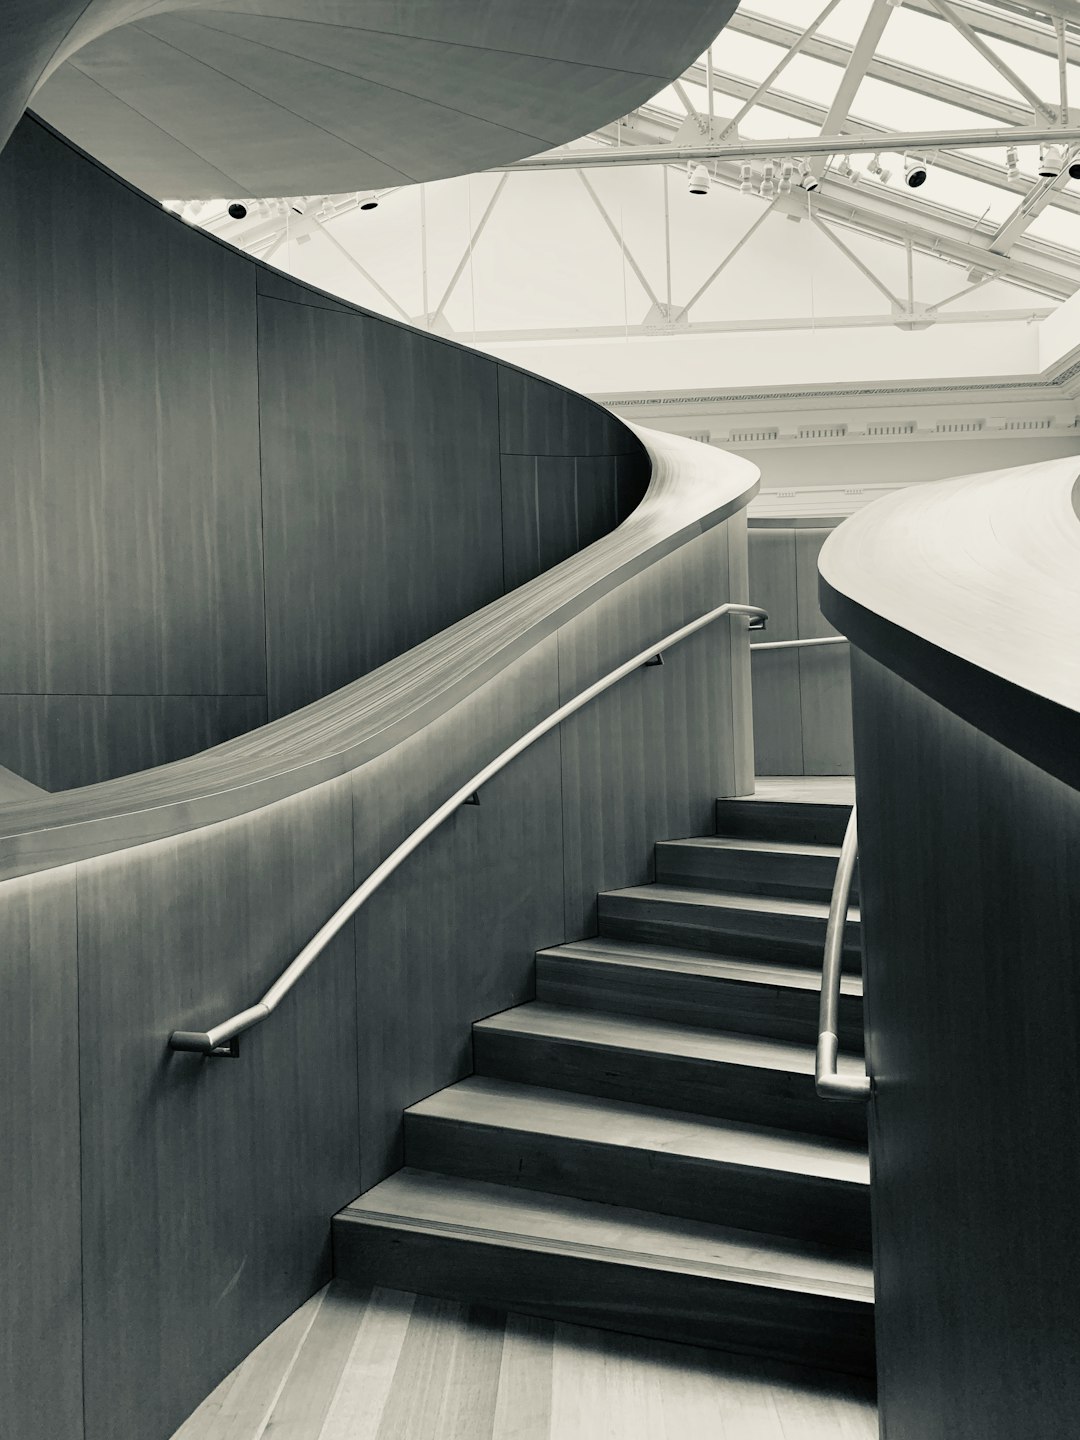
pixel 208 1185
pixel 539 418
pixel 452 936
pixel 131 448
pixel 40 1282
pixel 825 706
pixel 971 914
pixel 381 510
pixel 63 741
pixel 553 506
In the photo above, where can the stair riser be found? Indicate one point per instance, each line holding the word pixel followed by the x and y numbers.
pixel 748 872
pixel 826 1332
pixel 750 934
pixel 775 1013
pixel 777 1098
pixel 775 1202
pixel 780 820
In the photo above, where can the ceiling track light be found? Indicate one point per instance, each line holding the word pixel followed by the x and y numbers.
pixel 1051 161
pixel 1012 164
pixel 787 171
pixel 876 168
pixel 808 180
pixel 746 180
pixel 698 179
pixel 915 172
pixel 768 187
pixel 847 170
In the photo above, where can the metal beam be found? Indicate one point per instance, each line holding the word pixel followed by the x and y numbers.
pixel 620 240
pixel 1026 33
pixel 955 163
pixel 797 146
pixel 796 42
pixel 764 324
pixel 855 72
pixel 468 251
pixel 892 72
pixel 975 40
pixel 1033 204
pixel 859 265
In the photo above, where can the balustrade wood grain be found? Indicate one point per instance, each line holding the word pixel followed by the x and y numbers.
pixel 971 913
pixel 41 1254
pixel 230 493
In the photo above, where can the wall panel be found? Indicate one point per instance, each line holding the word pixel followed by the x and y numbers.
pixel 802 697
pixel 194 419
pixel 970 912
pixel 40 1249
pixel 207 1184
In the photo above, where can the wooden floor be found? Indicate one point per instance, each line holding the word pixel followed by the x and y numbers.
pixel 817 789
pixel 384 1365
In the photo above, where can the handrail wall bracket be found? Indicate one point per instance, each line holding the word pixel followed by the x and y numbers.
pixel 223 1040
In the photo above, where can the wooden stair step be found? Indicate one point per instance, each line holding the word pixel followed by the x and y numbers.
pixel 691 987
pixel 669 1162
pixel 792 820
pixel 677 1067
pixel 769 927
pixel 749 867
pixel 610 1266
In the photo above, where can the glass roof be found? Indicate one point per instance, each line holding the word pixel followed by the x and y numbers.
pixel 607 250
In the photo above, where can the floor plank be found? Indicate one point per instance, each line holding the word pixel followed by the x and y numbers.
pixel 385 1365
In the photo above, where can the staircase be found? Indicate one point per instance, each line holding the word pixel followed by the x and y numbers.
pixel 641 1147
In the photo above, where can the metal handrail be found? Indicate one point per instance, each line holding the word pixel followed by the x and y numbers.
pixel 792 644
pixel 223 1039
pixel 829 1083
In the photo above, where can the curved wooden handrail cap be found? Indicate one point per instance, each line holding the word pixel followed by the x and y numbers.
pixel 970 589
pixel 693 488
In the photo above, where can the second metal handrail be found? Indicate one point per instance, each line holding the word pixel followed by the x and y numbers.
pixel 223 1039
pixel 830 1084
pixel 798 644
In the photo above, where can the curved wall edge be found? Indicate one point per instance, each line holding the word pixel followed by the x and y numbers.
pixel 216 476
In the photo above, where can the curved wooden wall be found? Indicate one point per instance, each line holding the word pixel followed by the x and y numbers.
pixel 214 478
pixel 962 600
pixel 167 1211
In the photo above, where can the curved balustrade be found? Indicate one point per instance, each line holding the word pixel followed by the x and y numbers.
pixel 962 603
pixel 972 588
pixel 693 488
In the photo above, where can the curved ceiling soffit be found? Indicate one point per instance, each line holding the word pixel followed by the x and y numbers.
pixel 970 590
pixel 693 488
pixel 202 98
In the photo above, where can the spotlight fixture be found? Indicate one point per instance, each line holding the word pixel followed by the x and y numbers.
pixel 847 170
pixel 1051 161
pixel 915 173
pixel 1074 168
pixel 371 203
pixel 787 170
pixel 746 182
pixel 698 180
pixel 1012 164
pixel 237 211
pixel 768 188
pixel 876 168
pixel 808 180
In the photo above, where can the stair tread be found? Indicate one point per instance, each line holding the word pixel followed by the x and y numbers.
pixel 508 1105
pixel 631 1032
pixel 677 960
pixel 659 893
pixel 770 847
pixel 482 1210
